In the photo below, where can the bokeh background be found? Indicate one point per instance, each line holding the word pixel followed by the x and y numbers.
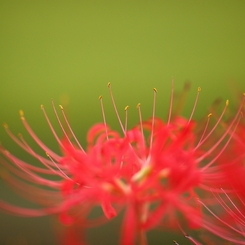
pixel 70 50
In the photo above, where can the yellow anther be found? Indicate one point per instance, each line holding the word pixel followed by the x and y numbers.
pixel 210 114
pixel 227 102
pixel 175 242
pixel 138 105
pixel 243 94
pixel 21 113
pixel 5 125
pixel 108 85
pixel 126 108
pixel 100 97
pixel 155 90
pixel 61 107
pixel 199 89
pixel 47 154
pixel 19 135
pixel 42 106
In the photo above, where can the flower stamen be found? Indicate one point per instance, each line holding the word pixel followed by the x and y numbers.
pixel 61 126
pixel 103 115
pixel 61 171
pixel 214 127
pixel 205 129
pixel 171 102
pixel 223 148
pixel 126 118
pixel 38 141
pixel 115 108
pixel 141 127
pixel 195 104
pixel 153 119
pixel 223 136
pixel 51 127
pixel 71 131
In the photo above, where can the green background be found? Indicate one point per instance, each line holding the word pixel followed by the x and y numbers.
pixel 70 50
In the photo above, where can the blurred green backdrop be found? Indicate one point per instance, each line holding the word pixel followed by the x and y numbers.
pixel 70 50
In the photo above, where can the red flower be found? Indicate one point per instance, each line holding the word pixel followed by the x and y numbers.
pixel 163 180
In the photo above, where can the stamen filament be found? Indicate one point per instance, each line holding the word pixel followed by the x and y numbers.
pixel 126 118
pixel 51 127
pixel 214 127
pixel 195 104
pixel 141 123
pixel 171 102
pixel 223 222
pixel 222 202
pixel 188 237
pixel 153 119
pixel 38 141
pixel 223 136
pixel 205 129
pixel 60 124
pixel 115 108
pixel 69 127
pixel 24 145
pixel 61 171
pixel 18 172
pixel 222 149
pixel 40 159
pixel 233 204
pixel 35 177
pixel 118 117
pixel 103 115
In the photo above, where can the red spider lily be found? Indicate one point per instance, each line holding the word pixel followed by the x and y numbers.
pixel 156 179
